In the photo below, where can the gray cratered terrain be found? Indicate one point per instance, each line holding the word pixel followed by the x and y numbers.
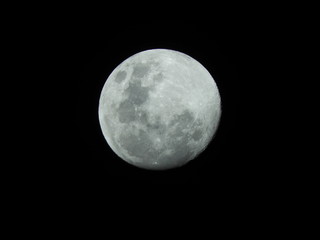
pixel 159 109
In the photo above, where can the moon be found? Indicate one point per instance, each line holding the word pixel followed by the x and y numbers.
pixel 159 109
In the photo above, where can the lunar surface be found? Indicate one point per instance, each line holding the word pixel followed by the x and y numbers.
pixel 159 109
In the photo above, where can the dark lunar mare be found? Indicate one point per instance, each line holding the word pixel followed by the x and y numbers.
pixel 136 96
pixel 121 75
pixel 141 145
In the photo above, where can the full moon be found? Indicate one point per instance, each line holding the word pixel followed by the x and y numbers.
pixel 159 109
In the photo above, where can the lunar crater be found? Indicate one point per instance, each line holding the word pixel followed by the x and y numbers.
pixel 197 134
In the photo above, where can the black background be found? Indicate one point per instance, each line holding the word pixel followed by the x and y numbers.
pixel 62 165
pixel 191 39
pixel 73 53
pixel 235 57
